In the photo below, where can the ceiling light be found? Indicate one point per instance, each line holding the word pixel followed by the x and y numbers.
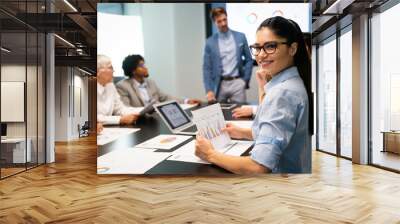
pixel 5 50
pixel 70 5
pixel 65 41
pixel 86 72
pixel 338 6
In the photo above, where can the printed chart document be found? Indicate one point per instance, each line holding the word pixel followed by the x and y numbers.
pixel 210 121
pixel 186 106
pixel 129 161
pixel 111 134
pixel 186 152
pixel 164 141
pixel 240 123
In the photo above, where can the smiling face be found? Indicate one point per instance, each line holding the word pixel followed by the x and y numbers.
pixel 283 56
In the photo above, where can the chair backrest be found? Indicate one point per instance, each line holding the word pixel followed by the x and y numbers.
pixel 86 125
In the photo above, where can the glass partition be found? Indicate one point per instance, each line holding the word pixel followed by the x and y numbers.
pixel 385 89
pixel 326 137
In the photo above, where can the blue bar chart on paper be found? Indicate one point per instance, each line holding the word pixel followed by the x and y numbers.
pixel 210 121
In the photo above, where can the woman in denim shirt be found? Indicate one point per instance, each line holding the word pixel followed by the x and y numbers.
pixel 281 127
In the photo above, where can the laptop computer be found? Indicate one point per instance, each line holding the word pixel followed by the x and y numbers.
pixel 175 118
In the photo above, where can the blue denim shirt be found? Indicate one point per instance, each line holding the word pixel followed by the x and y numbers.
pixel 280 128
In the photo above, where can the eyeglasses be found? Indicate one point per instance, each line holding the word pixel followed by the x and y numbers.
pixel 269 47
pixel 142 65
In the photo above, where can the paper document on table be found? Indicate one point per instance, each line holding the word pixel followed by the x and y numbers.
pixel 164 141
pixel 112 134
pixel 186 153
pixel 239 148
pixel 240 123
pixel 135 110
pixel 186 106
pixel 210 121
pixel 129 161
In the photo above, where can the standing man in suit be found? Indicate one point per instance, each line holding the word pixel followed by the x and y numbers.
pixel 227 62
pixel 138 90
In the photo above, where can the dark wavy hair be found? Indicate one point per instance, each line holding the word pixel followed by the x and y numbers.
pixel 130 64
pixel 290 30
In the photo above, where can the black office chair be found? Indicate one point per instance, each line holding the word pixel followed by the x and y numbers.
pixel 84 130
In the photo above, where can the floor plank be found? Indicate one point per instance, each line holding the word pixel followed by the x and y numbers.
pixel 69 191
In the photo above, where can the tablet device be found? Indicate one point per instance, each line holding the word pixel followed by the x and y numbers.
pixel 176 118
pixel 148 108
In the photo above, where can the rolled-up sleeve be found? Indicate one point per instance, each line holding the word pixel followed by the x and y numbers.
pixel 277 123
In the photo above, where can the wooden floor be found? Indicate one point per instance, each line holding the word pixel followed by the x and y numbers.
pixel 69 191
pixel 387 159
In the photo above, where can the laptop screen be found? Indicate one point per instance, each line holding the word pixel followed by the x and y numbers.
pixel 174 115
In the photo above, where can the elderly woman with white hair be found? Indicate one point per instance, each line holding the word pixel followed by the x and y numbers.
pixel 110 109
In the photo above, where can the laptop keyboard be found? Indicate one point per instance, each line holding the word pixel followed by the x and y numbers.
pixel 190 129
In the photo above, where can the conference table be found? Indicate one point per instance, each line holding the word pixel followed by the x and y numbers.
pixel 152 126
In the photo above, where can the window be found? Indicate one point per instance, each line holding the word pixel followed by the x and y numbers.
pixel 346 92
pixel 326 136
pixel 385 88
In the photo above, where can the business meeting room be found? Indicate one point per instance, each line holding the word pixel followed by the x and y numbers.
pixel 199 112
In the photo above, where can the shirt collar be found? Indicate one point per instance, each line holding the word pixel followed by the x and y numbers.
pixel 100 89
pixel 140 85
pixel 282 76
pixel 224 35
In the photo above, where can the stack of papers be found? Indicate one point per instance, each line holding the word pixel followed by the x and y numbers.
pixel 129 161
pixel 186 152
pixel 112 134
pixel 164 141
pixel 186 106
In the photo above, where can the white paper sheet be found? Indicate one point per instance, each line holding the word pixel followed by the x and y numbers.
pixel 239 148
pixel 209 122
pixel 164 141
pixel 111 134
pixel 186 106
pixel 129 161
pixel 186 152
pixel 242 124
pixel 135 110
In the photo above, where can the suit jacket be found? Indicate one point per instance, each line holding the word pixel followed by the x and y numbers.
pixel 212 66
pixel 130 95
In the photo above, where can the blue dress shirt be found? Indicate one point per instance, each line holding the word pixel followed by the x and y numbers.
pixel 227 52
pixel 280 128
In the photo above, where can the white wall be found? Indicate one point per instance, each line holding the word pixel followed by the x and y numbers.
pixel 67 115
pixel 189 41
pixel 159 45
